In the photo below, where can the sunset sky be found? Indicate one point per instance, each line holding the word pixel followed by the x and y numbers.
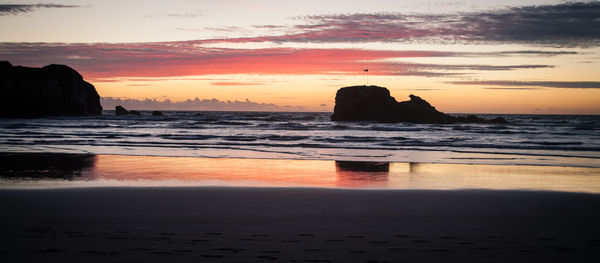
pixel 532 56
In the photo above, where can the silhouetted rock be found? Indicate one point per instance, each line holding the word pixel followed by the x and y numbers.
pixel 157 113
pixel 54 90
pixel 120 110
pixel 373 103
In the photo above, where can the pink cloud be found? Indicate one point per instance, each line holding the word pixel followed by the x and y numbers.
pixel 188 58
pixel 169 59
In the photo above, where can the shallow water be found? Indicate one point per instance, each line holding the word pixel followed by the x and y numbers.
pixel 555 140
pixel 68 170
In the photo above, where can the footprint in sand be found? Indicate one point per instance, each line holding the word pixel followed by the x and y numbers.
pixel 232 250
pixel 314 250
pixel 245 239
pixel 449 237
pixel 492 237
pixel 271 251
pixel 561 248
pixel 357 251
pixel 98 252
pixel 201 240
pixel 396 249
pixel 119 238
pixel 355 236
pixel 267 257
pixel 421 241
pixel 162 253
pixel 50 250
pixel 379 242
pixel 139 249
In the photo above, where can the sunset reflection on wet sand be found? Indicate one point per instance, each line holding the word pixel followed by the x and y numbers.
pixel 183 171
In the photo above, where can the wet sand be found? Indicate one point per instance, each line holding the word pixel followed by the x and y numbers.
pixel 49 170
pixel 232 224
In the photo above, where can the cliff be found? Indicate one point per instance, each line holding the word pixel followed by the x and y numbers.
pixel 53 90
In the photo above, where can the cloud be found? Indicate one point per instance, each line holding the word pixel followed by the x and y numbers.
pixel 545 84
pixel 478 67
pixel 513 88
pixel 15 9
pixel 569 24
pixel 233 83
pixel 191 14
pixel 535 52
pixel 194 105
pixel 188 58
pixel 527 53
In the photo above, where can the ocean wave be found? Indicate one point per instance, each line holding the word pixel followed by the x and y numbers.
pixel 303 134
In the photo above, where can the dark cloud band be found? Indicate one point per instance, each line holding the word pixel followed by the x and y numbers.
pixel 570 24
pixel 15 9
pixel 546 84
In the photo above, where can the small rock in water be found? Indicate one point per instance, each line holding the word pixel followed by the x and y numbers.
pixel 157 113
pixel 120 110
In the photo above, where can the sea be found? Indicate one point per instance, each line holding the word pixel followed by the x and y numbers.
pixel 540 140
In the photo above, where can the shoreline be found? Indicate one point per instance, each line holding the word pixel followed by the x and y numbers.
pixel 55 170
pixel 231 224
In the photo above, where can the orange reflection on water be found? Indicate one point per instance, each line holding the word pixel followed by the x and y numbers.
pixel 210 171
pixel 317 173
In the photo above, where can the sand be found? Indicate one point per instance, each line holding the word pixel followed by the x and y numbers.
pixel 233 224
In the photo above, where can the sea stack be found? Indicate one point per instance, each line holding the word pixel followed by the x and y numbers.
pixel 53 90
pixel 373 103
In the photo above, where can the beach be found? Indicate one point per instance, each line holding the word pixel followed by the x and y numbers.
pixel 300 131
pixel 296 187
pixel 252 224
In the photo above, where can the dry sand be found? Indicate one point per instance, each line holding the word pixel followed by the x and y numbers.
pixel 209 224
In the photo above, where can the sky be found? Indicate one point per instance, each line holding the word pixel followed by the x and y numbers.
pixel 532 56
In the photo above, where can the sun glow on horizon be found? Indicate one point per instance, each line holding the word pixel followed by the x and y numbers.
pixel 462 58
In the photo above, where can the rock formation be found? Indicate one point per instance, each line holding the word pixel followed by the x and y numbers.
pixel 120 110
pixel 373 103
pixel 54 90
